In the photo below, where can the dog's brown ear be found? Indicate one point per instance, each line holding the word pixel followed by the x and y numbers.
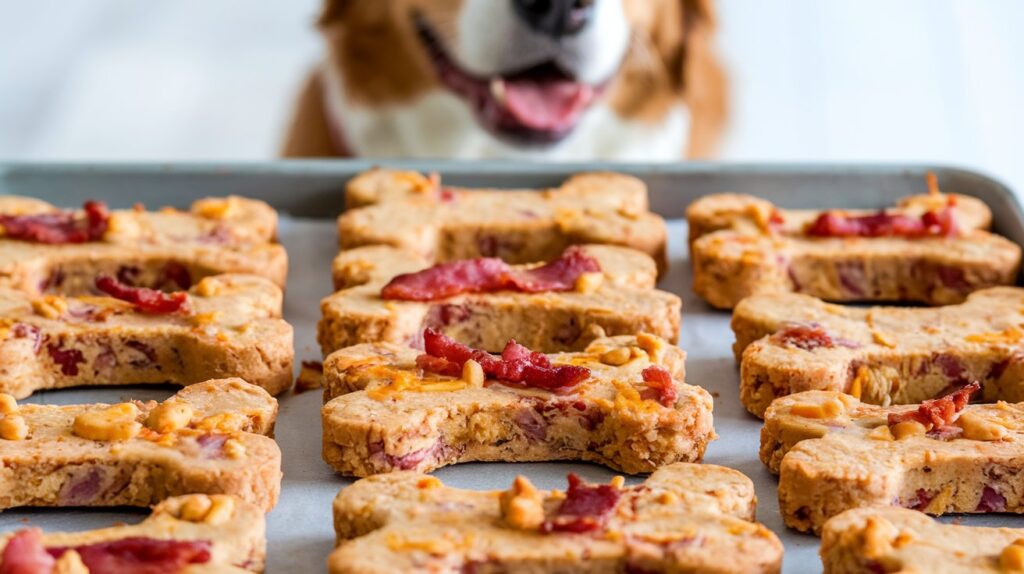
pixel 703 81
pixel 333 11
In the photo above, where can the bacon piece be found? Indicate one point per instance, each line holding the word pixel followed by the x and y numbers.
pixel 145 300
pixel 488 274
pixel 211 445
pixel 558 275
pixel 991 501
pixel 660 386
pixel 806 337
pixel 59 227
pixel 25 554
pixel 937 413
pixel 138 555
pixel 516 365
pixel 176 274
pixel 883 224
pixel 586 508
pixel 68 359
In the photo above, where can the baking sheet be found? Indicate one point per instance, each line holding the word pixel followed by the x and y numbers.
pixel 300 534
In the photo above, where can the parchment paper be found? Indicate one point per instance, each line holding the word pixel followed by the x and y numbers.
pixel 300 531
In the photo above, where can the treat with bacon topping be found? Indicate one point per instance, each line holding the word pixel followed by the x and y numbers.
pixel 833 453
pixel 226 325
pixel 787 343
pixel 621 403
pixel 443 224
pixel 192 533
pixel 209 438
pixel 390 294
pixel 44 250
pixel 872 540
pixel 933 249
pixel 684 517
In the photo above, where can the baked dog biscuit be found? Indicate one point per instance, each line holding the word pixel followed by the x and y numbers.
pixel 226 325
pixel 207 439
pixel 683 518
pixel 408 210
pixel 882 355
pixel 47 250
pixel 869 540
pixel 931 249
pixel 191 534
pixel 621 403
pixel 390 294
pixel 939 457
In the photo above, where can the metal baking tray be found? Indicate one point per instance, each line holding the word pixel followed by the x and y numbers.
pixel 310 194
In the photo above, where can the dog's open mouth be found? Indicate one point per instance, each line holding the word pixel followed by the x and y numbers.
pixel 541 104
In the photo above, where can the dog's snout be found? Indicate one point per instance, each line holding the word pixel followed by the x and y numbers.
pixel 555 18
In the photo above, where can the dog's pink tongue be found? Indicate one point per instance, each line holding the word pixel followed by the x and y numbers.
pixel 549 105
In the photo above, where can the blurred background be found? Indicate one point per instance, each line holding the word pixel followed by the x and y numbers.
pixel 812 80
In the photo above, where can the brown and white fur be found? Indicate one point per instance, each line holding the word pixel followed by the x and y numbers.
pixel 654 88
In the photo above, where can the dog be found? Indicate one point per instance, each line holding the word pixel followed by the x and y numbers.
pixel 632 80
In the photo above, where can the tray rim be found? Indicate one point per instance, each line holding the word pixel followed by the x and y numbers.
pixel 489 167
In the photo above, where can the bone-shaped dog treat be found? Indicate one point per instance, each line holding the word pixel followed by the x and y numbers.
pixel 229 326
pixel 207 439
pixel 869 540
pixel 46 250
pixel 191 534
pixel 792 343
pixel 835 453
pixel 389 410
pixel 406 209
pixel 618 299
pixel 683 518
pixel 931 249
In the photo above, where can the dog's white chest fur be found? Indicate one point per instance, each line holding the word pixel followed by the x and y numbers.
pixel 440 125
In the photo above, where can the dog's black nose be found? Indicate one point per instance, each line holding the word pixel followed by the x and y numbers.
pixel 555 18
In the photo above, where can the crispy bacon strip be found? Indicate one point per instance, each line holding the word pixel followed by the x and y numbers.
pixel 940 412
pixel 60 227
pixel 139 555
pixel 488 274
pixel 883 224
pixel 145 300
pixel 660 386
pixel 586 508
pixel 517 365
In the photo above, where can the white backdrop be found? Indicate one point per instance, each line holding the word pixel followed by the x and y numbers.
pixel 889 80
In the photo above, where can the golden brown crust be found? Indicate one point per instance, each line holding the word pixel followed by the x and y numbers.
pixel 92 455
pixel 409 210
pixel 234 528
pixel 233 328
pixel 898 540
pixel 848 456
pixel 740 249
pixel 883 355
pixel 382 414
pixel 218 235
pixel 387 523
pixel 622 300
